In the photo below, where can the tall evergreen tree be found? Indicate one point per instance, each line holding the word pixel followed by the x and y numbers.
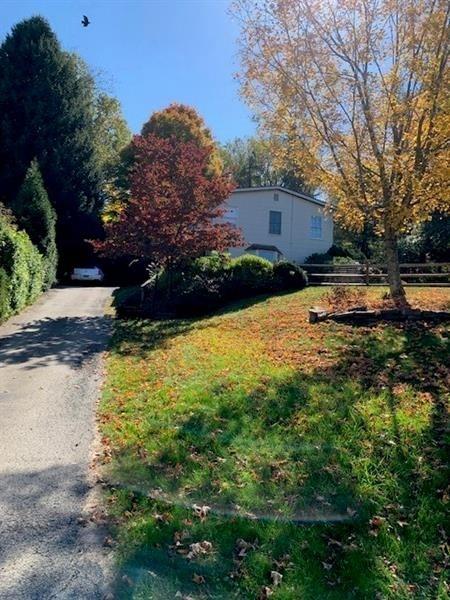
pixel 35 214
pixel 47 105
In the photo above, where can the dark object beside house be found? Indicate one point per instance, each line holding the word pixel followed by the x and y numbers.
pixel 289 276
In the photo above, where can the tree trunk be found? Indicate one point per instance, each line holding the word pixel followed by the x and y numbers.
pixel 393 270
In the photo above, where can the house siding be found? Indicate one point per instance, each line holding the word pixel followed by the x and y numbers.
pixel 295 241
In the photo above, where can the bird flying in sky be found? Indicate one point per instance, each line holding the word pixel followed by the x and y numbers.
pixel 85 22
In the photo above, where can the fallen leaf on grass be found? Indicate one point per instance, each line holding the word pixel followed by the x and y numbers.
pixel 201 511
pixel 198 579
pixel 276 577
pixel 283 562
pixel 198 549
pixel 375 524
pixel 242 547
pixel 161 518
pixel 376 521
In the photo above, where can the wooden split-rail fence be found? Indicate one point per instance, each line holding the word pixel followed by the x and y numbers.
pixel 367 273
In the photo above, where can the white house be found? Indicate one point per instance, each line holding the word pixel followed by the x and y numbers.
pixel 279 223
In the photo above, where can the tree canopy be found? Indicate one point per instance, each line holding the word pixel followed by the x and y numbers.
pixel 184 123
pixel 256 162
pixel 35 214
pixel 112 133
pixel 176 121
pixel 362 89
pixel 112 138
pixel 174 208
pixel 47 109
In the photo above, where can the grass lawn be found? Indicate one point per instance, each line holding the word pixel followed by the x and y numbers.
pixel 315 454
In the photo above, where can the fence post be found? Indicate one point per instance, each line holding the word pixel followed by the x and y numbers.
pixel 367 272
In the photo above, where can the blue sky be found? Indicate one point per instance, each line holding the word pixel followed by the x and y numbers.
pixel 150 53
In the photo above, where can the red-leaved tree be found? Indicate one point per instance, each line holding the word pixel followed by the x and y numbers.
pixel 174 208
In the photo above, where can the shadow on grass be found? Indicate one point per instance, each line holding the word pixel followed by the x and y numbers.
pixel 143 335
pixel 298 467
pixel 243 303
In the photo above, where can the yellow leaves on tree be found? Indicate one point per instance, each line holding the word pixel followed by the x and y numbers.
pixel 184 123
pixel 361 88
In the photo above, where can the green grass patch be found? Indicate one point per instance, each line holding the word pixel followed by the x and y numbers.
pixel 319 451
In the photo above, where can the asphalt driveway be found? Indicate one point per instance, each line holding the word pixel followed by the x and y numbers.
pixel 50 374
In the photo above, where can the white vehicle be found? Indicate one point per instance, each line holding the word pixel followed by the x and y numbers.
pixel 87 274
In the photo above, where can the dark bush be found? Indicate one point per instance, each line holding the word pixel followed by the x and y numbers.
pixel 250 275
pixel 197 295
pixel 196 287
pixel 198 284
pixel 335 255
pixel 289 276
pixel 128 301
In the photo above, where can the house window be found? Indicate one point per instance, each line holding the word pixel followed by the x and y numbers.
pixel 275 222
pixel 316 228
pixel 276 196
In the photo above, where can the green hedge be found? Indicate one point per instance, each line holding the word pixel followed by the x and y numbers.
pixel 4 294
pixel 22 270
pixel 202 285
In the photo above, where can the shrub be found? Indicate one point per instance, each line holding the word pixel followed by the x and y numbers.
pixel 4 294
pixel 23 266
pixel 212 270
pixel 37 217
pixel 344 260
pixel 289 276
pixel 128 301
pixel 411 248
pixel 215 263
pixel 336 255
pixel 198 295
pixel 204 284
pixel 250 275
pixel 197 286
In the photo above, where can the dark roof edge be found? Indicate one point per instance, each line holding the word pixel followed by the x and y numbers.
pixel 279 188
pixel 263 247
